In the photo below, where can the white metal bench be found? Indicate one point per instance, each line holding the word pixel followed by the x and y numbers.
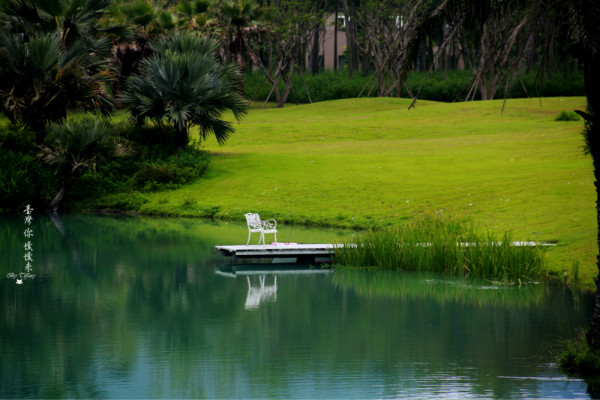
pixel 255 224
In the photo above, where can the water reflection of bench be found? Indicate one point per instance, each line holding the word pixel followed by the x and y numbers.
pixel 253 272
pixel 261 293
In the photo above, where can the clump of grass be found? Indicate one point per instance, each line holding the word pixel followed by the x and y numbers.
pixel 573 279
pixel 567 116
pixel 447 245
pixel 577 357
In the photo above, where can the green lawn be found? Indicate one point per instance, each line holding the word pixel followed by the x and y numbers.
pixel 368 163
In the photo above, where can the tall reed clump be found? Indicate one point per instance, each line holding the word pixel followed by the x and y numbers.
pixel 443 244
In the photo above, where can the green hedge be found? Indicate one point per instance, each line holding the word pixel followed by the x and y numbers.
pixel 331 85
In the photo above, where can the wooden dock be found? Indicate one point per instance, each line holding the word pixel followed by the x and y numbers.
pixel 302 252
pixel 312 253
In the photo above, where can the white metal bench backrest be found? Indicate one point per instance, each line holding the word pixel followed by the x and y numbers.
pixel 256 225
pixel 253 221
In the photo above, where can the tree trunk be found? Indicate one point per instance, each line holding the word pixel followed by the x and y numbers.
pixel 445 55
pixel 349 47
pixel 430 57
pixel 39 127
pixel 270 57
pixel 238 52
pixel 366 61
pixel 593 336
pixel 53 207
pixel 351 37
pixel 127 57
pixel 445 62
pixel 354 43
pixel 591 61
pixel 314 54
pixel 550 57
pixel 181 137
pixel 57 199
pixel 335 40
pixel 482 89
pixel 423 57
pixel 288 81
pixel 565 49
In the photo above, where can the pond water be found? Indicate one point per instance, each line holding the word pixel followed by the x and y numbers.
pixel 146 308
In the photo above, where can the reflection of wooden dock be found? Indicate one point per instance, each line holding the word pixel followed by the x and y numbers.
pixel 302 252
pixel 262 269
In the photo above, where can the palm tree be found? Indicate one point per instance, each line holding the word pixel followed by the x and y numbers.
pixel 78 146
pixel 40 80
pixel 184 84
pixel 72 20
pixel 53 56
pixel 149 17
pixel 238 18
pixel 193 14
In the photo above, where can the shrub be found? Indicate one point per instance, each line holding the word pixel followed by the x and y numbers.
pixel 152 137
pixel 17 138
pixel 578 358
pixel 23 178
pixel 157 165
pixel 159 173
pixel 567 116
pixel 180 168
pixel 130 201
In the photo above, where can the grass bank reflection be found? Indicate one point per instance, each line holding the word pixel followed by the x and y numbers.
pixel 443 289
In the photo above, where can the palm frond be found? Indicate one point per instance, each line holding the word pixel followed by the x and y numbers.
pixel 185 84
pixel 81 143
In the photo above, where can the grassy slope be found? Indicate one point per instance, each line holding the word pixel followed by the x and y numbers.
pixel 372 162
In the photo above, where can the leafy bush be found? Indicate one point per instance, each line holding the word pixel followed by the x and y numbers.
pixel 24 180
pixel 578 358
pixel 567 116
pixel 16 138
pixel 130 201
pixel 159 173
pixel 156 165
pixel 178 169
